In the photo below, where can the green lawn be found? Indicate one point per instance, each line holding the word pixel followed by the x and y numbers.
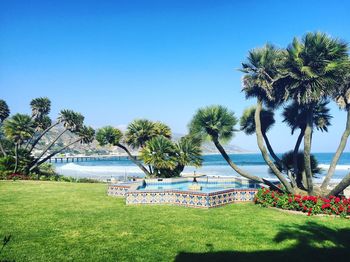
pixel 56 221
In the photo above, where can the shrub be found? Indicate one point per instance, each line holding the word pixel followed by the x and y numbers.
pixel 15 177
pixel 87 180
pixel 309 204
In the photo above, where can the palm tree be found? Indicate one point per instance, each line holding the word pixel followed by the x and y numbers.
pixel 41 106
pixel 288 161
pixel 162 129
pixel 159 152
pixel 189 152
pixel 109 135
pixel 342 97
pixel 313 65
pixel 85 136
pixel 72 121
pixel 19 128
pixel 4 113
pixel 247 124
pixel 216 123
pixel 262 69
pixel 4 110
pixel 139 132
pixel 294 115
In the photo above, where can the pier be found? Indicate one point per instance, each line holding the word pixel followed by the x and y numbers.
pixel 67 159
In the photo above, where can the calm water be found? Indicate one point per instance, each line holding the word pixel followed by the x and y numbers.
pixel 205 187
pixel 213 165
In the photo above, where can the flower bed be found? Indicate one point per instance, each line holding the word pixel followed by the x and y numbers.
pixel 311 205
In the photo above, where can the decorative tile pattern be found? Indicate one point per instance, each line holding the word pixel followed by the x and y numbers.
pixel 186 198
pixel 190 199
pixel 115 190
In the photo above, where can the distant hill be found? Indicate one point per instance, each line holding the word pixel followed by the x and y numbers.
pixel 94 148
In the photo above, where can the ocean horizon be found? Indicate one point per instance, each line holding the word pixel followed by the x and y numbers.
pixel 213 165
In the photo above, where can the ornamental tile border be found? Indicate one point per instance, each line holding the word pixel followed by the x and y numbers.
pixel 182 198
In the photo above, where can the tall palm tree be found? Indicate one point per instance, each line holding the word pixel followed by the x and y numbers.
pixel 342 97
pixel 313 65
pixel 216 123
pixel 262 69
pixel 41 106
pixel 4 110
pixel 4 113
pixel 294 115
pixel 247 123
pixel 19 128
pixel 109 135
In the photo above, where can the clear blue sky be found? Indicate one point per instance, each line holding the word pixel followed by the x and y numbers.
pixel 115 61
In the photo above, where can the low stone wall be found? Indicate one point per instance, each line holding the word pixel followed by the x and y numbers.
pixel 190 199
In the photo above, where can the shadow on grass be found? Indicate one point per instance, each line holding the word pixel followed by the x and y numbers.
pixel 312 242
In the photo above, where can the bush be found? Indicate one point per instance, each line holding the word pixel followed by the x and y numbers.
pixel 15 177
pixel 87 180
pixel 309 204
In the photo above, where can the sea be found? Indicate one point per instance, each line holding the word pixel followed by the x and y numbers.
pixel 121 168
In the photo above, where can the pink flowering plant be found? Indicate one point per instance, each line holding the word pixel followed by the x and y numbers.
pixel 311 205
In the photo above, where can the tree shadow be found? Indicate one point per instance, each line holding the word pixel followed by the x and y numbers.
pixel 311 242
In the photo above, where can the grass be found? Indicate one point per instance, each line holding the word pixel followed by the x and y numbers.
pixel 57 221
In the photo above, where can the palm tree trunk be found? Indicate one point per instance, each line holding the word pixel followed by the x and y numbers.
pixel 295 158
pixel 307 151
pixel 16 159
pixel 338 153
pixel 36 141
pixel 278 160
pixel 46 149
pixel 53 153
pixel 263 150
pixel 238 170
pixel 134 160
pixel 2 150
pixel 270 149
pixel 344 183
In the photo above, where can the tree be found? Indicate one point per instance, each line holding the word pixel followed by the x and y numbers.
pixel 159 152
pixel 247 123
pixel 139 132
pixel 342 97
pixel 216 123
pixel 162 129
pixel 262 69
pixel 4 113
pixel 41 107
pixel 19 128
pixel 294 115
pixel 71 121
pixel 313 66
pixel 109 135
pixel 168 159
pixel 85 136
pixel 24 132
pixel 288 161
pixel 188 153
